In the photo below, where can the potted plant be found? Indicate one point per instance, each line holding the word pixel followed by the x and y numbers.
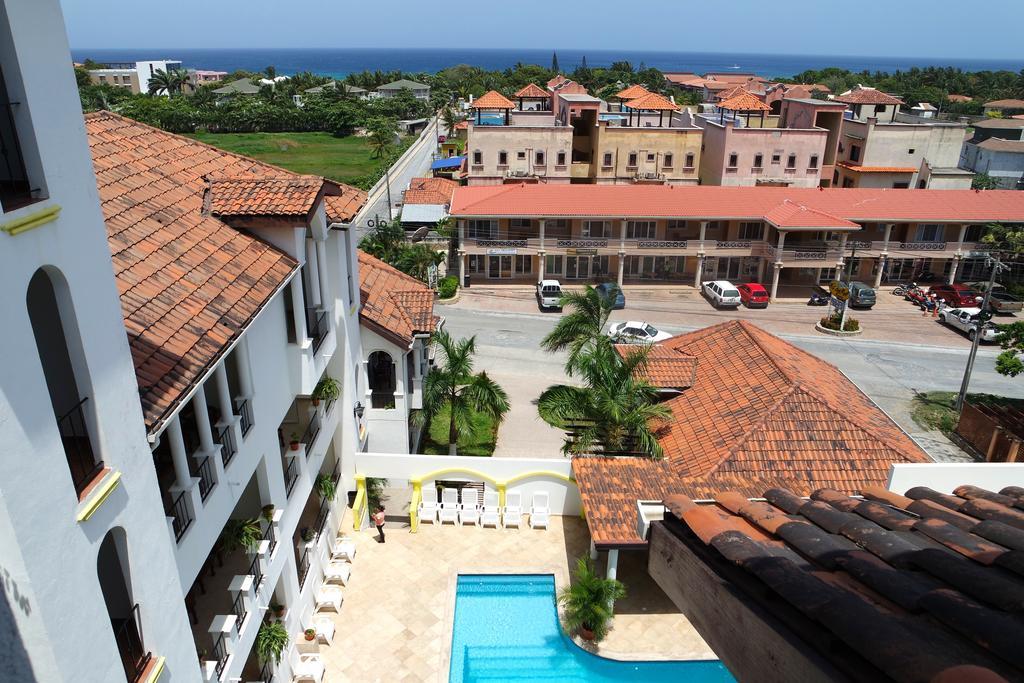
pixel 277 609
pixel 310 633
pixel 589 601
pixel 241 533
pixel 294 443
pixel 268 512
pixel 307 534
pixel 326 487
pixel 327 389
pixel 271 640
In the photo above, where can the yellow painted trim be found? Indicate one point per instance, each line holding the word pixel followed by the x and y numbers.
pixel 359 502
pixel 32 220
pixel 501 495
pixel 98 495
pixel 541 473
pixel 461 470
pixel 158 668
pixel 414 505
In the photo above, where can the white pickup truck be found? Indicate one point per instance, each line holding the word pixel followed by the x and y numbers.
pixel 966 320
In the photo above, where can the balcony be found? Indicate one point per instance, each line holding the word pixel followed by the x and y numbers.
pixel 648 177
pixel 78 447
pixel 317 326
pixel 128 636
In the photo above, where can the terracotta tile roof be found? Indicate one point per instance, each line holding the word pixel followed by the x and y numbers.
pixel 959 98
pixel 1005 104
pixel 532 90
pixel 430 191
pixel 632 92
pixel 791 214
pixel 876 169
pixel 394 305
pixel 189 283
pixel 344 207
pixel 761 413
pixel 652 101
pixel 865 95
pixel 246 195
pixel 493 100
pixel 734 78
pixel 908 588
pixel 610 488
pixel 718 85
pixel 743 101
pixel 685 79
pixel 667 368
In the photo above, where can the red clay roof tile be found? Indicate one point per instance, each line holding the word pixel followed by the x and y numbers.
pixel 493 100
pixel 430 191
pixel 865 95
pixel 395 305
pixel 532 91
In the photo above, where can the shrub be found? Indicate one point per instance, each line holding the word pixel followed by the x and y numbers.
pixel 447 287
pixel 832 323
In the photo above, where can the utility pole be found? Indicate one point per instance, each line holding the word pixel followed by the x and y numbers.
pixel 997 265
pixel 387 185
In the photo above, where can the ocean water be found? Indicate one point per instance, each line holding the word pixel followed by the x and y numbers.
pixel 506 630
pixel 337 62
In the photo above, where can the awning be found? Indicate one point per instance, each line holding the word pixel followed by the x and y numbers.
pixel 423 213
pixel 450 162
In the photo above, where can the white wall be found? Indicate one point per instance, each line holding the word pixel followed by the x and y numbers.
pixel 388 429
pixel 944 477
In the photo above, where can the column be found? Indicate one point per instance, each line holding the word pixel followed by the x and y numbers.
pixel 241 354
pixel 952 271
pixel 885 240
pixel 881 269
pixel 613 563
pixel 776 269
pixel 299 309
pixel 960 239
pixel 321 259
pixel 541 264
pixel 699 272
pixel 541 251
pixel 593 550
pixel 623 227
pixel 462 268
pixel 622 267
pixel 760 269
pixel 223 392
pixel 313 281
pixel 182 473
pixel 203 420
pixel 842 254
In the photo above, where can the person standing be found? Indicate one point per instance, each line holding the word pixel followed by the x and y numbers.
pixel 378 520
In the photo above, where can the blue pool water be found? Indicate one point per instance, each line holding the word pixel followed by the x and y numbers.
pixel 506 629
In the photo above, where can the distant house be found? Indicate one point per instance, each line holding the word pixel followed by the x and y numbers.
pixel 419 91
pixel 924 109
pixel 204 77
pixel 133 76
pixel 997 149
pixel 351 90
pixel 243 86
pixel 960 99
pixel 1005 107
pixel 426 201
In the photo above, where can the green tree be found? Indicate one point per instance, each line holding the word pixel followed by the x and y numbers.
pixel 385 242
pixel 1004 238
pixel 983 181
pixel 382 135
pixel 582 327
pixel 451 384
pixel 589 600
pixel 554 63
pixel 171 82
pixel 416 260
pixel 615 412
pixel 450 119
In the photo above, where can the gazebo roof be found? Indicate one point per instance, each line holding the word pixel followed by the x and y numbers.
pixel 532 90
pixel 652 102
pixel 493 100
pixel 632 92
pixel 744 101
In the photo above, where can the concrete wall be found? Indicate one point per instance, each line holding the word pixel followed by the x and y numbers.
pixel 491 140
pixel 1005 167
pixel 388 428
pixel 722 141
pixel 620 141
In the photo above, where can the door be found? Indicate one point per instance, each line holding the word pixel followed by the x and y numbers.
pixel 499 266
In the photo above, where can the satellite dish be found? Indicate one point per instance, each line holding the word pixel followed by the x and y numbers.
pixel 420 234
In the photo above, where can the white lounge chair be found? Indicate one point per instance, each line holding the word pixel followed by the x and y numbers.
pixel 324 626
pixel 337 572
pixel 343 548
pixel 490 514
pixel 306 666
pixel 329 597
pixel 539 510
pixel 512 515
pixel 449 510
pixel 428 508
pixel 469 511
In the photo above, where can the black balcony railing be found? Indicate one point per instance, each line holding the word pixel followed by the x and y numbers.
pixel 321 517
pixel 15 188
pixel 256 571
pixel 178 511
pixel 238 609
pixel 291 475
pixel 226 438
pixel 128 636
pixel 220 654
pixel 266 673
pixel 206 481
pixel 77 447
pixel 312 430
pixel 303 567
pixel 336 473
pixel 316 321
pixel 245 412
pixel 271 538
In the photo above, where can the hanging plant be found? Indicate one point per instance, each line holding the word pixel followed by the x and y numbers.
pixel 327 389
pixel 326 487
pixel 241 533
pixel 271 640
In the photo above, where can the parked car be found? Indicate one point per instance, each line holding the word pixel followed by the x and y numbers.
pixel 636 332
pixel 753 295
pixel 956 295
pixel 605 289
pixel 721 293
pixel 967 320
pixel 549 294
pixel 860 294
pixel 1000 301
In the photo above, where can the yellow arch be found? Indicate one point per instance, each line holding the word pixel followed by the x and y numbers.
pixel 540 473
pixel 452 470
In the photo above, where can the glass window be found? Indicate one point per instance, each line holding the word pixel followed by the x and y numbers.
pixel 733 160
pixel 668 160
pixel 758 160
pixel 929 233
pixel 561 159
pixel 520 223
pixel 751 231
pixel 524 264
pixel 813 163
pixel 776 158
pixel 482 229
pixel 478 157
pixel 689 160
pixel 538 158
pixel 476 263
pixel 596 229
pixel 854 153
pixel 650 157
pixel 632 160
pixel 553 265
pixel 650 330
pixel 791 161
pixel 640 229
pixel 607 159
pixel 502 158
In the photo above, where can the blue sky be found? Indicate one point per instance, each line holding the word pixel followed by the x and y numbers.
pixel 830 27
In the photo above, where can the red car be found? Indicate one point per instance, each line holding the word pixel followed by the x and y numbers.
pixel 956 295
pixel 753 295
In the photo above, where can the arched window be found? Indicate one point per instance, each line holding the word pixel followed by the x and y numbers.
pixel 115 583
pixel 381 375
pixel 56 334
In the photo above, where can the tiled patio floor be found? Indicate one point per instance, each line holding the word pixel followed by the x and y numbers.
pixel 392 626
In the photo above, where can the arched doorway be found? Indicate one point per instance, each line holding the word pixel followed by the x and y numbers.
pixel 115 583
pixel 381 376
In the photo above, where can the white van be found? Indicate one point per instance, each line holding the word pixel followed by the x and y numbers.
pixel 722 293
pixel 549 294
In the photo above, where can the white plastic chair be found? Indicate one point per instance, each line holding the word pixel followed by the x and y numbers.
pixel 343 548
pixel 539 510
pixel 490 515
pixel 449 510
pixel 324 626
pixel 469 510
pixel 306 666
pixel 337 572
pixel 428 509
pixel 329 597
pixel 512 515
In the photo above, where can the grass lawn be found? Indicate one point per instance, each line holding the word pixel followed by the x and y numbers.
pixel 934 409
pixel 480 442
pixel 342 159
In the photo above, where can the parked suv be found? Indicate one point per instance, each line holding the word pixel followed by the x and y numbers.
pixel 549 294
pixel 721 293
pixel 606 289
pixel 956 295
pixel 860 295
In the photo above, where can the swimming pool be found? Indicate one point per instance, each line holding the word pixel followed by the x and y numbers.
pixel 506 629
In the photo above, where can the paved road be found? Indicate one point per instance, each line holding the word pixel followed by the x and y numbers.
pixel 416 165
pixel 889 372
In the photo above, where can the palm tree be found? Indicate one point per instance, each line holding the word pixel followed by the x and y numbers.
pixel 170 81
pixel 577 330
pixel 452 385
pixel 450 119
pixel 615 412
pixel 416 260
pixel 382 136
